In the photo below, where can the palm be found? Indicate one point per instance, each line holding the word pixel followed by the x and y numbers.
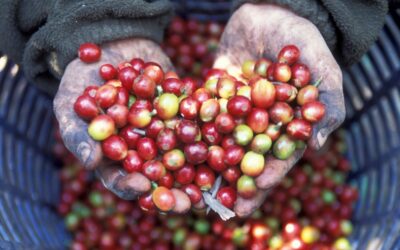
pixel 76 78
pixel 256 31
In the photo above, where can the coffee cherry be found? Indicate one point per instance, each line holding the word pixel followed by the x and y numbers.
pixel 215 158
pixel 299 129
pixel 285 92
pixel 167 180
pixel 114 148
pixel 172 85
pixel 226 88
pixel 261 144
pixel 201 95
pixel 211 86
pixel 129 136
pixel 101 127
pixel 122 97
pixel 167 106
pixel 142 104
pixel 127 76
pixel 239 106
pixel 147 149
pixel 194 193
pixel 196 153
pixel 210 134
pixel 262 93
pixel 307 94
pixel 185 175
pixel 281 112
pixel 132 162
pixel 242 134
pixel 144 87
pixel 282 72
pixel 119 113
pixel 273 131
pixel 89 52
pixel 204 178
pixel 146 201
pixel 283 148
pixel 153 170
pixel 189 108
pixel 91 90
pixel 248 68
pixel 174 159
pixel 227 196
pixel 154 128
pixel 231 174
pixel 313 111
pixel 85 107
pixel 154 72
pixel 166 139
pixel 289 54
pixel 139 118
pixel 189 86
pixel 137 64
pixel 233 155
pixel 171 74
pixel 261 67
pixel 106 96
pixel 209 110
pixel 342 244
pixel 163 198
pixel 270 72
pixel 260 232
pixel 257 120
pixel 246 187
pixel 244 91
pixel 108 72
pixel 187 131
pixel 291 230
pixel 252 164
pixel 225 123
pixel 309 234
pixel 300 75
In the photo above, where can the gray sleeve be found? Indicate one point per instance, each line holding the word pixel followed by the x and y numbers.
pixel 349 27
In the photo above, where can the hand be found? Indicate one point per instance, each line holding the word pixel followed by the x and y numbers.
pixel 255 31
pixel 76 78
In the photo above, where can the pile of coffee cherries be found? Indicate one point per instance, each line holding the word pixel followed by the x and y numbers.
pixel 180 135
pixel 191 45
pixel 309 210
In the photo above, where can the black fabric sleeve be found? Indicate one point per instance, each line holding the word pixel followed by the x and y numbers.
pixel 44 35
pixel 349 27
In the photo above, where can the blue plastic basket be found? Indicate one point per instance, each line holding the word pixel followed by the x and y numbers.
pixel 29 186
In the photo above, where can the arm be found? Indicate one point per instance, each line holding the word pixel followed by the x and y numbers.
pixel 349 27
pixel 44 36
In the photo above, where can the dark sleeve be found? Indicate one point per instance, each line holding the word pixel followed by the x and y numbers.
pixel 44 35
pixel 349 27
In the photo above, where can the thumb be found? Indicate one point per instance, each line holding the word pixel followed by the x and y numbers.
pixel 74 132
pixel 124 185
pixel 276 169
pixel 245 207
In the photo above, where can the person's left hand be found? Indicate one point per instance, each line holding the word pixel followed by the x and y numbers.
pixel 256 31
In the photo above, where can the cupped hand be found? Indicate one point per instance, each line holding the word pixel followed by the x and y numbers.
pixel 76 78
pixel 256 31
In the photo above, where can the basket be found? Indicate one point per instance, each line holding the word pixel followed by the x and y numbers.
pixel 30 186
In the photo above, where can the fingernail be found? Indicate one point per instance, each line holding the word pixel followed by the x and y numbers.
pixel 321 137
pixel 84 151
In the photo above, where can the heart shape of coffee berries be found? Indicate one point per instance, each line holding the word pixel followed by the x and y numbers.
pixel 184 134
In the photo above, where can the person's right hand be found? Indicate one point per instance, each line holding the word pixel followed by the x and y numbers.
pixel 76 78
